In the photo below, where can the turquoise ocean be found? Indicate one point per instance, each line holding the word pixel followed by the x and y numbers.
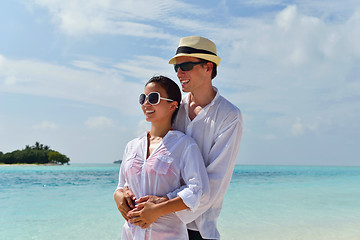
pixel 262 202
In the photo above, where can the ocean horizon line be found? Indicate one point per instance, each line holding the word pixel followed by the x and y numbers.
pixel 237 164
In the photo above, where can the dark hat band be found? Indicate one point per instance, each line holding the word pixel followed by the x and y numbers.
pixel 189 50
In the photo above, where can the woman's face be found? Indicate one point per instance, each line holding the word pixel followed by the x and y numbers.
pixel 160 112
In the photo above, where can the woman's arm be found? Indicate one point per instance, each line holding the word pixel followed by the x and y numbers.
pixel 123 196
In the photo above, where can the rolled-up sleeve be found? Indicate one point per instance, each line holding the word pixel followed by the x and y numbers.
pixel 193 172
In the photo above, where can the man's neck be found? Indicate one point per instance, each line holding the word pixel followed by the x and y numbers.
pixel 200 100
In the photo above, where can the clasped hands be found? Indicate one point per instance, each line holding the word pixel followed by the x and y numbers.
pixel 141 212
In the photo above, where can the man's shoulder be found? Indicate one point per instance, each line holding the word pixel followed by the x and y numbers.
pixel 226 107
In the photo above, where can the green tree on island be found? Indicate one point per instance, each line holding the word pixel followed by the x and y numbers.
pixel 36 154
pixel 56 157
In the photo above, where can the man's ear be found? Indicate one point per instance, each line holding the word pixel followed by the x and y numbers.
pixel 209 67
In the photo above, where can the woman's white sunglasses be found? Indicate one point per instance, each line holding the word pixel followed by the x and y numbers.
pixel 153 98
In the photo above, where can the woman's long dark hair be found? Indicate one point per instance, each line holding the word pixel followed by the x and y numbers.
pixel 171 88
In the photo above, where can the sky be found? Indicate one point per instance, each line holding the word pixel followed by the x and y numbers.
pixel 71 72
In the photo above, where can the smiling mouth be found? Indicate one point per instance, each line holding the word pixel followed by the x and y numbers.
pixel 184 82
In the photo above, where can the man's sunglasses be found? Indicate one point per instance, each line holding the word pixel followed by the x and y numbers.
pixel 187 66
pixel 153 98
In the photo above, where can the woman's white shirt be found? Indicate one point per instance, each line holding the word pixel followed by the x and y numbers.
pixel 176 163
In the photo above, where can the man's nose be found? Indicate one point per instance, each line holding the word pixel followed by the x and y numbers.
pixel 180 72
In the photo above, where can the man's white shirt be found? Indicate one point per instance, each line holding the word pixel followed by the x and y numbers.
pixel 217 130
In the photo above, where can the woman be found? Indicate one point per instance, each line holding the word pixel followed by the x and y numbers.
pixel 161 161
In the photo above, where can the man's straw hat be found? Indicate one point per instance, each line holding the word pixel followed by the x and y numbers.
pixel 198 47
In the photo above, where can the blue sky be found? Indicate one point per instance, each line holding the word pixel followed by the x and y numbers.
pixel 71 72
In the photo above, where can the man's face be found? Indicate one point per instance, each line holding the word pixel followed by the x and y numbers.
pixel 191 80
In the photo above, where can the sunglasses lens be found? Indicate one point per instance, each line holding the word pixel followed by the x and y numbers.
pixel 153 98
pixel 187 66
pixel 142 98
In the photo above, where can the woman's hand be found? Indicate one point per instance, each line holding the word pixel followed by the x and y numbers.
pixel 144 214
pixel 124 201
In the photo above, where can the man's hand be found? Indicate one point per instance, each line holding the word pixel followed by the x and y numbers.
pixel 146 211
pixel 124 199
pixel 152 207
pixel 153 199
pixel 144 214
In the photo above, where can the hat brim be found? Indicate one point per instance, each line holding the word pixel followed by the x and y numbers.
pixel 212 58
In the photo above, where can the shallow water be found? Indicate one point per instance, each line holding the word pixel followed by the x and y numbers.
pixel 76 202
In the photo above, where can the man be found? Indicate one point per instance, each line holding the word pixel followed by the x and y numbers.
pixel 214 123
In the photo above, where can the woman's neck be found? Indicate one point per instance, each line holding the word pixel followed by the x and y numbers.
pixel 159 131
pixel 155 137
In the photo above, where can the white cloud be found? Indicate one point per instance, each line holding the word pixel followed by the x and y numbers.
pixel 88 65
pixel 105 87
pixel 46 125
pixel 270 137
pixel 285 19
pixel 99 122
pixel 293 65
pixel 130 18
pixel 143 67
pixel 314 125
pixel 2 60
pixel 297 128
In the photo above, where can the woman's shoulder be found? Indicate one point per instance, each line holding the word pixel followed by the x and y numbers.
pixel 179 135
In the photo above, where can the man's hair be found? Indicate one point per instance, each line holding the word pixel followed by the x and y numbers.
pixel 214 70
pixel 171 89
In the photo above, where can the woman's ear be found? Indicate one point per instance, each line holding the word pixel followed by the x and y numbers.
pixel 174 105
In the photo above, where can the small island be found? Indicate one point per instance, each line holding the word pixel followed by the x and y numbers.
pixel 36 154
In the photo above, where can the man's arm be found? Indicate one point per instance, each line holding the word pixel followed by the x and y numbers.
pixel 222 159
pixel 156 199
